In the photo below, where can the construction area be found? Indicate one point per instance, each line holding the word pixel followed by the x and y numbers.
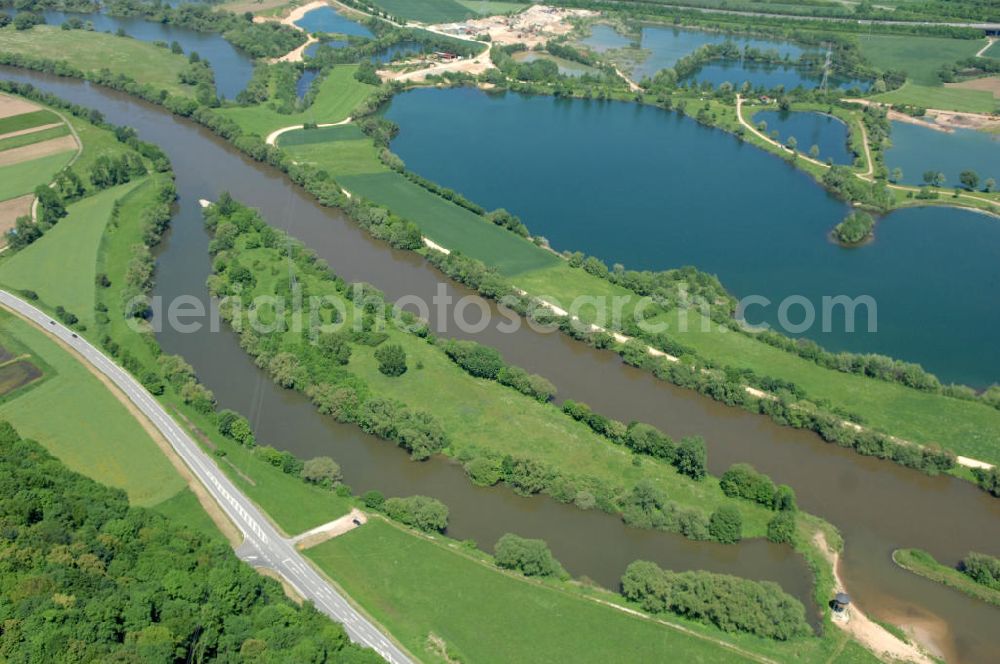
pixel 535 25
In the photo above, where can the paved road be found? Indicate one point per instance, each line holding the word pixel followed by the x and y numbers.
pixel 263 546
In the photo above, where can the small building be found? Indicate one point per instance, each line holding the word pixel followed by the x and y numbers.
pixel 840 602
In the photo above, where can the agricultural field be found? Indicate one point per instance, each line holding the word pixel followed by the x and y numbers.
pixel 350 157
pixel 427 11
pixel 919 57
pixel 952 97
pixel 61 267
pixel 446 604
pixel 35 144
pixel 93 51
pixel 339 94
pixel 94 434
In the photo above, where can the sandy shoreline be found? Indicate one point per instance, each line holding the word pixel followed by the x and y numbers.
pixel 875 637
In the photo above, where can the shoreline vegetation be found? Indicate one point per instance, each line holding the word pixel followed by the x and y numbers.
pixel 923 435
pixel 922 563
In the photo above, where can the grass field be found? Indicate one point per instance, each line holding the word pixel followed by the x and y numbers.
pixel 922 563
pixel 33 137
pixel 338 95
pixel 919 57
pixel 93 432
pixel 62 266
pixel 93 51
pixel 953 99
pixel 19 179
pixel 350 157
pixel 487 415
pixel 184 508
pixel 426 11
pixel 433 596
pixel 27 121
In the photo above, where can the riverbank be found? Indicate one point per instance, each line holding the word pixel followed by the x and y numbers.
pixel 922 563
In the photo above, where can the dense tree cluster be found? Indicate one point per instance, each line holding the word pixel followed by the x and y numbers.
pixel 421 512
pixel 530 557
pixel 982 569
pixel 85 577
pixel 855 228
pixel 648 506
pixel 743 481
pixel 486 362
pixel 730 603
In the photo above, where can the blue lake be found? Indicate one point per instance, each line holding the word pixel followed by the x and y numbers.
pixel 327 19
pixel 668 45
pixel 916 149
pixel 232 67
pixel 651 190
pixel 826 132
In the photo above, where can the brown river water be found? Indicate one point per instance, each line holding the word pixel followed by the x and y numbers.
pixel 877 505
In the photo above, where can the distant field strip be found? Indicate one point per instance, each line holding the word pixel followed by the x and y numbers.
pixel 19 179
pixel 27 121
pixel 426 11
pixel 919 57
pixel 32 137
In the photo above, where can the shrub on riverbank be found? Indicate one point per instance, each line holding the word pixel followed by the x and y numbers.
pixel 530 557
pixel 983 569
pixel 730 603
pixel 421 512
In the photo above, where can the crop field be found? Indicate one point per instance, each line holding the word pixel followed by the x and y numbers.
pixel 427 11
pixel 22 178
pixel 919 57
pixel 944 97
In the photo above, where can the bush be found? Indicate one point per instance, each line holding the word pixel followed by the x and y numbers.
pixel 855 228
pixel 726 525
pixel 531 557
pixel 982 569
pixel 692 457
pixel 730 603
pixel 323 471
pixel 373 500
pixel 421 512
pixel 391 359
pixel 743 481
pixel 781 528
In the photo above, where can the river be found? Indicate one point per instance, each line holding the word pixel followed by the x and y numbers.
pixel 878 506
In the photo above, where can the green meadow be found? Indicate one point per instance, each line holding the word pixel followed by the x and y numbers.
pixel 954 99
pixel 339 94
pixel 19 179
pixel 33 137
pixel 61 267
pixel 436 598
pixel 93 51
pixel 27 121
pixel 919 57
